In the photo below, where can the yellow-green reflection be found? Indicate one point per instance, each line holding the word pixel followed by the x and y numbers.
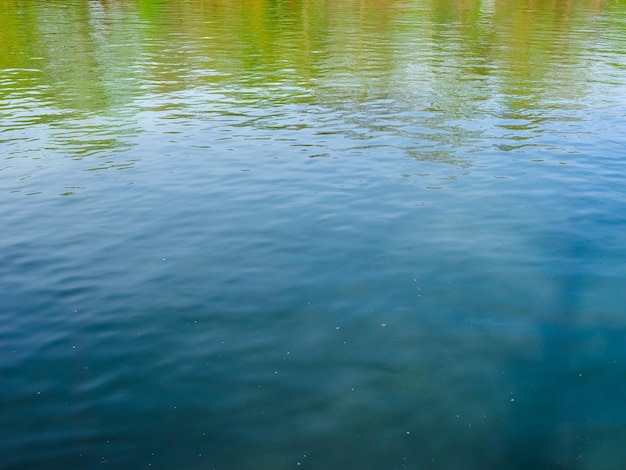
pixel 75 60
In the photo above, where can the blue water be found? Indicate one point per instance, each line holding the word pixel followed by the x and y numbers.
pixel 225 251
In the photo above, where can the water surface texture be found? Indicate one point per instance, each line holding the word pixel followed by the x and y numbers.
pixel 268 234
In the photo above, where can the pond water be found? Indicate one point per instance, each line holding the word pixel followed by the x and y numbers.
pixel 270 234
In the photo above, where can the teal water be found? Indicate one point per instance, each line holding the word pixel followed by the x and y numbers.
pixel 312 234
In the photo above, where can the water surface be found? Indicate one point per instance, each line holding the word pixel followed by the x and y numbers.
pixel 268 234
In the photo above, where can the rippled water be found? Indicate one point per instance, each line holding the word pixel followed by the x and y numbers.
pixel 312 234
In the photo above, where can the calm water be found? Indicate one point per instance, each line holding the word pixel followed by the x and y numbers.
pixel 270 234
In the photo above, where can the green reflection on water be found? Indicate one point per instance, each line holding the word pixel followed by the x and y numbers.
pixel 99 56
pixel 64 63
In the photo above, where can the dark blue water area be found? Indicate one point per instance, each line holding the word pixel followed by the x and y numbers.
pixel 245 297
